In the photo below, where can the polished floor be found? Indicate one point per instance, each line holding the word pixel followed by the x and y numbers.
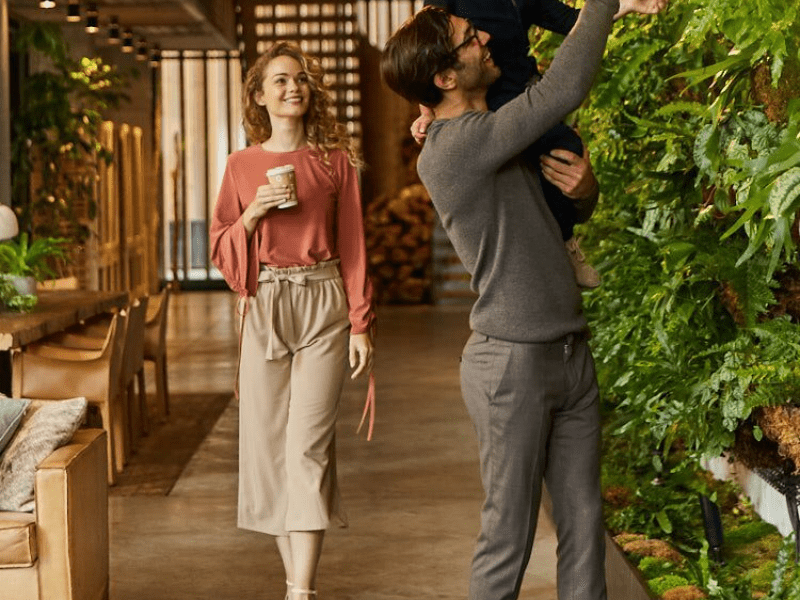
pixel 412 494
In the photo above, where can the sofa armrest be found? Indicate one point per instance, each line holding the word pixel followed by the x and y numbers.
pixel 72 519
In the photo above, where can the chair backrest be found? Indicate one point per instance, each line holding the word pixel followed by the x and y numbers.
pixel 156 324
pixel 133 351
pixel 53 383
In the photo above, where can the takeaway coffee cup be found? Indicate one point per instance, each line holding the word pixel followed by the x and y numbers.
pixel 285 175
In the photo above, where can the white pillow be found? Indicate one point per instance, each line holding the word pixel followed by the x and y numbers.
pixel 47 425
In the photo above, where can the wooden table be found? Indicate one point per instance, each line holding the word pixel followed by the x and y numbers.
pixel 55 311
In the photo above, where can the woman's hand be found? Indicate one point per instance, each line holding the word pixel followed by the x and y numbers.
pixel 361 354
pixel 268 196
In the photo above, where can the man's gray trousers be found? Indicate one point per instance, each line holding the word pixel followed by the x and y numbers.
pixel 535 410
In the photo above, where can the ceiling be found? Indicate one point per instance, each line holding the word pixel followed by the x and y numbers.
pixel 173 24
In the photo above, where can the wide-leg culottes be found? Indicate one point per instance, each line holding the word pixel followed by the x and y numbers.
pixel 294 349
pixel 535 410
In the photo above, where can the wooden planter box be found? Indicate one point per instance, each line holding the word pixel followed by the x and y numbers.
pixel 623 580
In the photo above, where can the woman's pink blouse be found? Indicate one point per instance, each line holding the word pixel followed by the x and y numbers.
pixel 326 224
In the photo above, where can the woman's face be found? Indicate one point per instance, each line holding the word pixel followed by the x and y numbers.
pixel 285 91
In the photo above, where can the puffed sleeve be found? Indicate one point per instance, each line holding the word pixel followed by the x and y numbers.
pixel 229 243
pixel 352 249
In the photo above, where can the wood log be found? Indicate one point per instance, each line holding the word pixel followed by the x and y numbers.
pixel 399 230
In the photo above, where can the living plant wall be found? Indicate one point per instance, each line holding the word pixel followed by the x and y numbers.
pixel 694 131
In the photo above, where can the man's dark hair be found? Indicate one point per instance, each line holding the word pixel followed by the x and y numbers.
pixel 416 52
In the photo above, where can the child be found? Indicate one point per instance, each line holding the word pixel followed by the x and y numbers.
pixel 508 22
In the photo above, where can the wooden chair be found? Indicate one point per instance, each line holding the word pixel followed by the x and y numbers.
pixel 88 337
pixel 133 373
pixel 155 347
pixel 51 372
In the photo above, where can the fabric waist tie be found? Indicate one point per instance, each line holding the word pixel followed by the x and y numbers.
pixel 275 278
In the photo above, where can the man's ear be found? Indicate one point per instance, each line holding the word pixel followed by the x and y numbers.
pixel 446 80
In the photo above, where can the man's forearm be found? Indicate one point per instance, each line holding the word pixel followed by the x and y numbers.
pixel 562 88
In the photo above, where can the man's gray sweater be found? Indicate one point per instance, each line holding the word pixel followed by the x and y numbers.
pixel 492 206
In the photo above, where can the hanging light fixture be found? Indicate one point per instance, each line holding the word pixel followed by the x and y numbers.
pixel 155 57
pixel 141 49
pixel 47 4
pixel 92 25
pixel 74 11
pixel 113 32
pixel 127 41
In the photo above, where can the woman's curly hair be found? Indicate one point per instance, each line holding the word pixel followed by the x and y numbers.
pixel 323 131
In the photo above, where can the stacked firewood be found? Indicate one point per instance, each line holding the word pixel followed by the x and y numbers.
pixel 398 238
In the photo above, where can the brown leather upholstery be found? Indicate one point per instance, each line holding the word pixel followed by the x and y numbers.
pixel 51 372
pixel 17 539
pixel 155 346
pixel 66 537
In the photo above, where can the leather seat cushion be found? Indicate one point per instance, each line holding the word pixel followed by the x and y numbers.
pixel 17 540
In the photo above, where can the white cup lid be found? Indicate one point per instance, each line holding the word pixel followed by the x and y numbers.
pixel 280 170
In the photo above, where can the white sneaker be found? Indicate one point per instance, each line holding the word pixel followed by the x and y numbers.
pixel 586 275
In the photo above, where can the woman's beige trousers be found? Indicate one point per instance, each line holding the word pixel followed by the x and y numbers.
pixel 293 361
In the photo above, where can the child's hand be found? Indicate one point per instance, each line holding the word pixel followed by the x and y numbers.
pixel 644 7
pixel 419 128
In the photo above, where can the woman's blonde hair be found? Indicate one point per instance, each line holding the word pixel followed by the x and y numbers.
pixel 323 131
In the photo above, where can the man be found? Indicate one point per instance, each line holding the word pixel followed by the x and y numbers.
pixel 563 161
pixel 527 374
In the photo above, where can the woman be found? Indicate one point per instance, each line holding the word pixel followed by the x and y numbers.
pixel 301 274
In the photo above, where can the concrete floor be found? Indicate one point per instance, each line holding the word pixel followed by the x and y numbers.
pixel 412 494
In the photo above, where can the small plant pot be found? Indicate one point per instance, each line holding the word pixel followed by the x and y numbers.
pixel 23 285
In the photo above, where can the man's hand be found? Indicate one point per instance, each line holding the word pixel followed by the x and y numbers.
pixel 644 7
pixel 419 128
pixel 570 173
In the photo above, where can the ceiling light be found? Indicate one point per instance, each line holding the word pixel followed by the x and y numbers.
pixel 141 50
pixel 113 32
pixel 47 4
pixel 127 41
pixel 91 18
pixel 73 11
pixel 155 57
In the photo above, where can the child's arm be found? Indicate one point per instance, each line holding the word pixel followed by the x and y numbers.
pixel 552 15
pixel 419 128
pixel 556 16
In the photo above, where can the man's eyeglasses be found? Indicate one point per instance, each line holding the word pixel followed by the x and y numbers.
pixel 467 40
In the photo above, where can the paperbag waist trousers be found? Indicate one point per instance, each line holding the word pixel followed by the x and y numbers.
pixel 294 346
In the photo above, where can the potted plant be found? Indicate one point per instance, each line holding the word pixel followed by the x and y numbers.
pixel 22 264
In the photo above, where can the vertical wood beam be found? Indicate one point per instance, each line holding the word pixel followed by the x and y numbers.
pixel 5 106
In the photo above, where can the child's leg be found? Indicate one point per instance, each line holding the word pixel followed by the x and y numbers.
pixel 563 208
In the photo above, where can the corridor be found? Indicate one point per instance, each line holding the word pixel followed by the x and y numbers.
pixel 412 494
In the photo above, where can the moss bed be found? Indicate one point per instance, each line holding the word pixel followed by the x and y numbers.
pixel 655 517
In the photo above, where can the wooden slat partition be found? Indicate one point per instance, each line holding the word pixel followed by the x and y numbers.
pixel 118 256
pixel 134 227
pixel 105 263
